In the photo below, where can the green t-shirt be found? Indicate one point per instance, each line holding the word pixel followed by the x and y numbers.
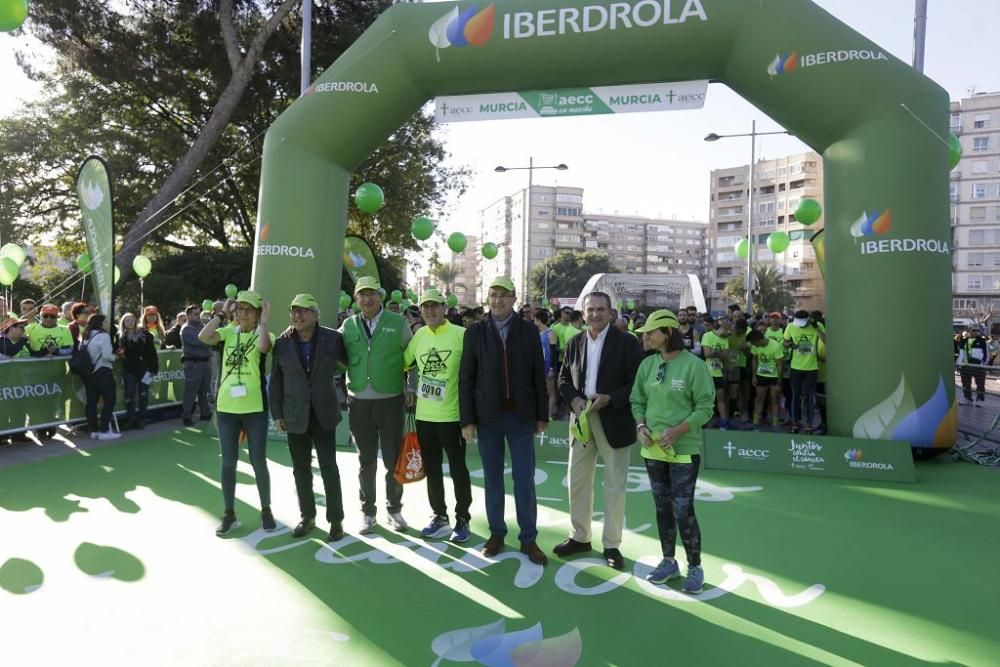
pixel 779 335
pixel 805 343
pixel 715 363
pixel 665 394
pixel 767 357
pixel 39 337
pixel 737 349
pixel 241 390
pixel 438 355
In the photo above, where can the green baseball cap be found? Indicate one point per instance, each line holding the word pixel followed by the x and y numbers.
pixel 367 282
pixel 431 294
pixel 659 319
pixel 250 297
pixel 305 301
pixel 503 282
pixel 580 430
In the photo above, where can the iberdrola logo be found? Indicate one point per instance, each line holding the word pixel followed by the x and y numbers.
pixel 783 64
pixel 868 225
pixel 470 27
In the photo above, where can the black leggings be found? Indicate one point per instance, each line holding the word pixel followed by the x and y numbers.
pixel 100 385
pixel 673 494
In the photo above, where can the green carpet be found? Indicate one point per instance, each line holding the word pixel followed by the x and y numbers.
pixel 109 557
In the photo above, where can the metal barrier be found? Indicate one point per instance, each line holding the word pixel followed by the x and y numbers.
pixel 978 414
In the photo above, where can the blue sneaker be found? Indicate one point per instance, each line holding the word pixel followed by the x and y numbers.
pixel 724 424
pixel 667 569
pixel 695 580
pixel 438 527
pixel 461 533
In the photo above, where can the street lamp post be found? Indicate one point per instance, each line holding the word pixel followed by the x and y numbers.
pixel 526 250
pixel 748 280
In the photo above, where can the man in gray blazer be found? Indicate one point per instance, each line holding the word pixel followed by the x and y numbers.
pixel 303 402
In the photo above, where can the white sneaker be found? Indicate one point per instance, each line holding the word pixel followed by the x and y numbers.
pixel 397 522
pixel 94 435
pixel 110 435
pixel 367 525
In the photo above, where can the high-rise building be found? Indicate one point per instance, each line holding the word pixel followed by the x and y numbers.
pixel 525 240
pixel 779 187
pixel 466 281
pixel 975 208
pixel 558 223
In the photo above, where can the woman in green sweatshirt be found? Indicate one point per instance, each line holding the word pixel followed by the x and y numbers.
pixel 672 398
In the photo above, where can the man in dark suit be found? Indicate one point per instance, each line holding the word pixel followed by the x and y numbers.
pixel 595 381
pixel 303 402
pixel 502 395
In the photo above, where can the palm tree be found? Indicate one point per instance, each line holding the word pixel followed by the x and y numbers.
pixel 446 273
pixel 770 293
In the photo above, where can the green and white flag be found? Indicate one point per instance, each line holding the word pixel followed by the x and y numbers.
pixel 359 259
pixel 563 102
pixel 93 187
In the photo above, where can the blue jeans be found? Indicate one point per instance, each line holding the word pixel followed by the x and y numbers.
pixel 255 425
pixel 520 438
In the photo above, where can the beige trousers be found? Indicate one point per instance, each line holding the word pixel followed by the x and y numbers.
pixel 582 471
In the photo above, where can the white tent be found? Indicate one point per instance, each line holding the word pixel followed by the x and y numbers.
pixel 655 290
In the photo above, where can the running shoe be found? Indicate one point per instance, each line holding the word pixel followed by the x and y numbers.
pixel 397 522
pixel 367 525
pixel 667 569
pixel 438 527
pixel 461 533
pixel 695 580
pixel 228 525
pixel 267 521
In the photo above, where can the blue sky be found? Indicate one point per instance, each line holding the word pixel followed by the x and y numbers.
pixel 657 164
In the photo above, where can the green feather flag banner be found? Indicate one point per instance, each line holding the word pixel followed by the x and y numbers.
pixel 93 187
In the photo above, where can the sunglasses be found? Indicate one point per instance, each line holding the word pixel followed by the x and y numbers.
pixel 49 317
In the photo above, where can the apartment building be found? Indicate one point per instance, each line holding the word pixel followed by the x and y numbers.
pixel 975 208
pixel 779 186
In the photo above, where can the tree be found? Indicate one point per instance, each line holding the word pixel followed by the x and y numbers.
pixel 771 292
pixel 183 113
pixel 568 272
pixel 446 273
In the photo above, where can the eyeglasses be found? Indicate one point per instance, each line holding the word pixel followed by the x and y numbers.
pixel 494 296
pixel 662 373
pixel 49 317
pixel 295 310
pixel 246 309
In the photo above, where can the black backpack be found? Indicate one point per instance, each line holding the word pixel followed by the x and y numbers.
pixel 80 362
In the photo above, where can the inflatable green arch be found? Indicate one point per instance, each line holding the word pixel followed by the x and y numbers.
pixel 876 121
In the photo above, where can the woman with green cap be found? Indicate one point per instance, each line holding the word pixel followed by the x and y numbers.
pixel 672 398
pixel 242 400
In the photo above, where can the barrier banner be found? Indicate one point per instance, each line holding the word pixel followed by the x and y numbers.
pixel 42 392
pixel 816 455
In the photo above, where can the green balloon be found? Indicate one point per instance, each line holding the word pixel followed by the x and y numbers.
pixel 142 266
pixel 490 250
pixel 12 250
pixel 421 228
pixel 808 211
pixel 954 151
pixel 742 249
pixel 12 14
pixel 345 301
pixel 411 295
pixel 452 300
pixel 117 276
pixel 369 198
pixel 630 305
pixel 83 263
pixel 232 290
pixel 9 270
pixel 457 242
pixel 207 304
pixel 406 303
pixel 356 308
pixel 396 296
pixel 777 242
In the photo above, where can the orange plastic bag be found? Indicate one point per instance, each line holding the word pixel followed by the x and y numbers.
pixel 410 464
